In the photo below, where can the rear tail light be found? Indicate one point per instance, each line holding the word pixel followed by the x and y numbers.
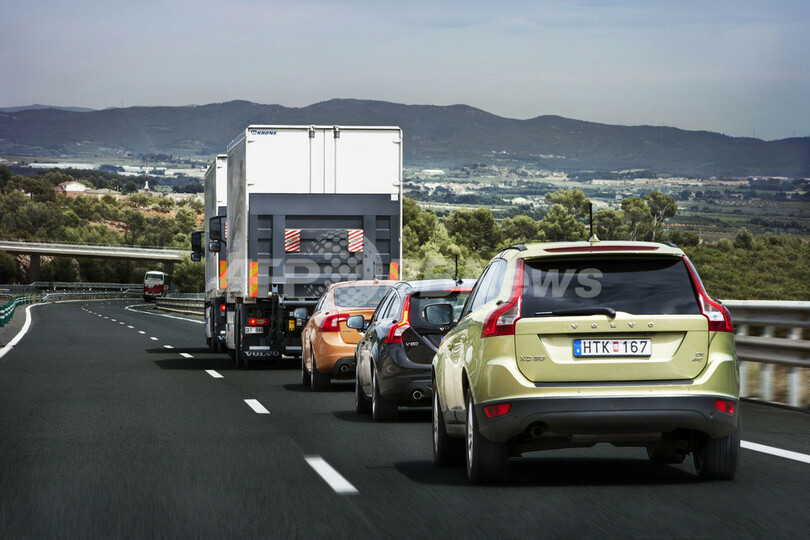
pixel 724 405
pixel 718 315
pixel 222 308
pixel 332 322
pixel 255 321
pixel 501 322
pixel 395 334
pixel 500 409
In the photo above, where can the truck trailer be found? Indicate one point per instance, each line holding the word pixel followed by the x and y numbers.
pixel 306 206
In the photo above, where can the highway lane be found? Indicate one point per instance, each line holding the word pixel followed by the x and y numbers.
pixel 106 432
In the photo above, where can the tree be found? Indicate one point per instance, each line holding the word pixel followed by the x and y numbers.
pixel 559 224
pixel 661 207
pixel 573 200
pixel 521 230
pixel 744 240
pixel 475 230
pixel 609 224
pixel 636 214
pixel 189 277
pixel 130 187
pixel 8 268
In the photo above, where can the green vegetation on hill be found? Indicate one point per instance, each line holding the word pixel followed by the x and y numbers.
pixel 749 268
pixel 31 210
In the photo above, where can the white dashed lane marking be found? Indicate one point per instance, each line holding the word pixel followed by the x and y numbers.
pixel 153 338
pixel 214 374
pixel 330 475
pixel 168 347
pixel 141 332
pixel 186 355
pixel 257 407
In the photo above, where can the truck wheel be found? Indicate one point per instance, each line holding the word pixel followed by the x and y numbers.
pixel 306 378
pixel 717 459
pixel 320 382
pixel 382 410
pixel 447 451
pixel 487 461
pixel 361 403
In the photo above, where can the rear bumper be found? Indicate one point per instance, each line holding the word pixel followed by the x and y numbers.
pixel 608 418
pixel 409 386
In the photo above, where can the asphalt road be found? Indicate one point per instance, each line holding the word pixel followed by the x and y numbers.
pixel 118 423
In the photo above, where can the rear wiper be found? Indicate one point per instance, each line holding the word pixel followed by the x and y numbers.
pixel 610 312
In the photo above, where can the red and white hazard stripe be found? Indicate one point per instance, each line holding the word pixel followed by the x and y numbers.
pixel 355 240
pixel 292 239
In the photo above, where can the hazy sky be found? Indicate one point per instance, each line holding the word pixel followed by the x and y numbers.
pixel 740 67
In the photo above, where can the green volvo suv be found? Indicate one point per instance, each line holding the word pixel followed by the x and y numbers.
pixel 571 344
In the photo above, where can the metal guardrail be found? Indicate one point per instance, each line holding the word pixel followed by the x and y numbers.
pixel 774 361
pixel 67 285
pixel 99 295
pixel 192 304
pixel 7 310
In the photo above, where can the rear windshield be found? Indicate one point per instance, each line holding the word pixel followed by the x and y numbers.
pixel 642 286
pixel 154 275
pixel 361 296
pixel 420 301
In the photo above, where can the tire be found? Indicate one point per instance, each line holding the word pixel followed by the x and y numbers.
pixel 665 453
pixel 382 410
pixel 487 461
pixel 447 451
pixel 361 402
pixel 319 382
pixel 717 459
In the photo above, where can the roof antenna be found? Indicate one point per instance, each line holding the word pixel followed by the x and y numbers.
pixel 593 239
pixel 456 278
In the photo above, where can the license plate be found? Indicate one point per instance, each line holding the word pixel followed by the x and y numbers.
pixel 254 329
pixel 584 348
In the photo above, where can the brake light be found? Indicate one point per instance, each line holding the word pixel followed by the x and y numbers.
pixel 717 314
pixel 222 308
pixel 254 321
pixel 724 405
pixel 500 409
pixel 501 322
pixel 588 248
pixel 395 334
pixel 332 322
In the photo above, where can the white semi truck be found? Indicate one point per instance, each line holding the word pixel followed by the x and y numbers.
pixel 306 206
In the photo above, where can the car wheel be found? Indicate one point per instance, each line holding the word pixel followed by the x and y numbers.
pixel 665 453
pixel 717 459
pixel 382 410
pixel 487 461
pixel 361 403
pixel 447 451
pixel 306 379
pixel 318 381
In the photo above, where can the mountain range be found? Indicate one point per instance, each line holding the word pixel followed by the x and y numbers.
pixel 434 136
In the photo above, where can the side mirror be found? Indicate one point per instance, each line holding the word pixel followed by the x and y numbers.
pixel 215 228
pixel 439 314
pixel 196 256
pixel 196 242
pixel 300 313
pixel 215 246
pixel 356 322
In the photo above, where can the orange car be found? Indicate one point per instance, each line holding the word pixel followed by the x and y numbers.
pixel 327 343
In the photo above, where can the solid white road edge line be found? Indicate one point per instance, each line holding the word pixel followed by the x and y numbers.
pixel 330 475
pixel 161 314
pixel 787 454
pixel 214 374
pixel 16 339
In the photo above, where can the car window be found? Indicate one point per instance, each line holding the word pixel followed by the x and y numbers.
pixel 382 307
pixel 395 307
pixel 637 285
pixel 319 305
pixel 420 301
pixel 366 296
pixel 487 287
